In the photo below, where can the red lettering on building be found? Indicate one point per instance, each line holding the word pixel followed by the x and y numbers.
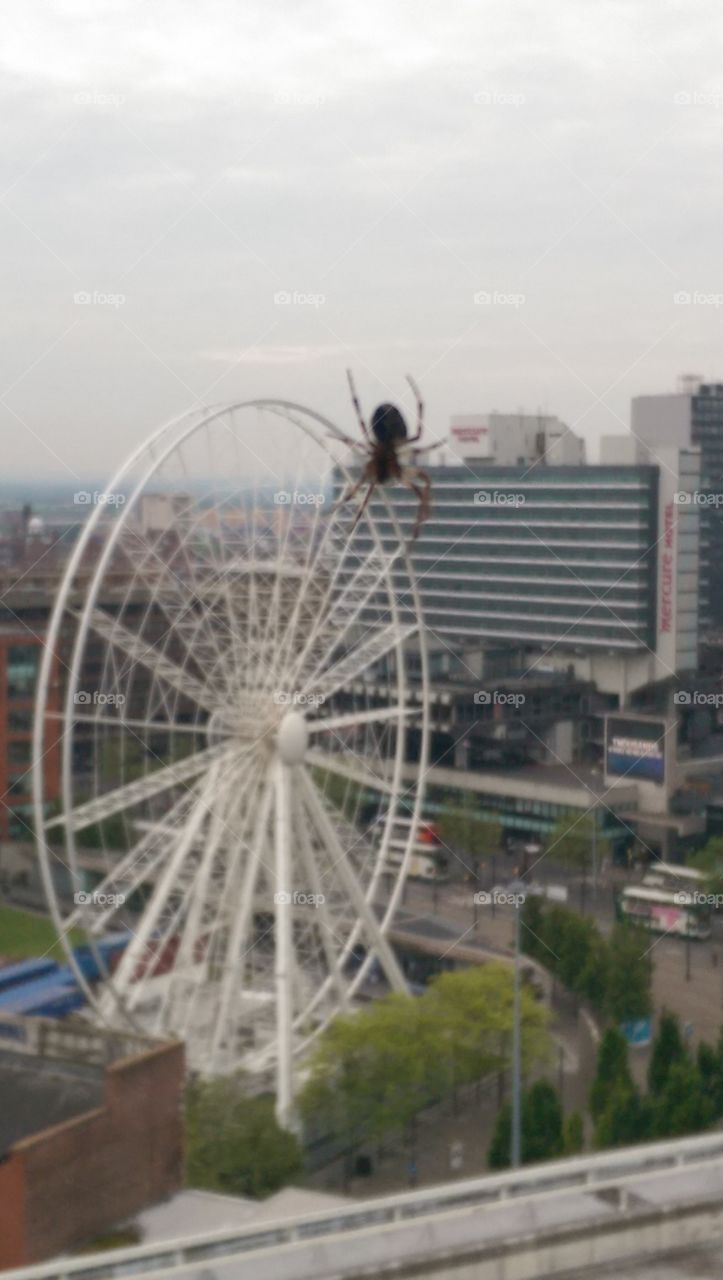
pixel 667 564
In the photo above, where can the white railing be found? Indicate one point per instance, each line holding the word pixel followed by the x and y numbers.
pixel 601 1172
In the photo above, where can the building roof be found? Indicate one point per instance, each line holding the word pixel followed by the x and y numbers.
pixel 191 1212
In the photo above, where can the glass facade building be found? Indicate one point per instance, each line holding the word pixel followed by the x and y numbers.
pixel 560 556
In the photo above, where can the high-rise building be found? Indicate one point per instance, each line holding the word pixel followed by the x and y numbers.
pixel 689 418
pixel 592 568
pixel 514 439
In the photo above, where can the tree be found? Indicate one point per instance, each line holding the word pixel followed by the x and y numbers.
pixel 472 1012
pixel 573 839
pixel 624 1120
pixel 629 977
pixel 541 1124
pixel 709 860
pixel 668 1051
pixel 568 944
pixel 613 1071
pixel 707 1063
pixel 681 1106
pixel 234 1143
pixel 573 1134
pixel 470 832
pixel 498 1155
pixel 372 1071
pixel 717 1098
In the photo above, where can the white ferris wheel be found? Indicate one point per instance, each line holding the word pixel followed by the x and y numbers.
pixel 233 679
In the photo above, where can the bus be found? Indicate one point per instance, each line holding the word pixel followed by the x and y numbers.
pixel 666 875
pixel 428 860
pixel 664 910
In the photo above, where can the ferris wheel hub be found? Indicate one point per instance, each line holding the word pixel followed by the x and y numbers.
pixel 293 737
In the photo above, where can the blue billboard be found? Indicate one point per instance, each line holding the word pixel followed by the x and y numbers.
pixel 635 748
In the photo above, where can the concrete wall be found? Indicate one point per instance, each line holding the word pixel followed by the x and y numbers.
pixel 66 1184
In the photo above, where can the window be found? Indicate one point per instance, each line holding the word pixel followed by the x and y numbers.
pixel 19 786
pixel 22 670
pixel 20 822
pixel 19 752
pixel 20 720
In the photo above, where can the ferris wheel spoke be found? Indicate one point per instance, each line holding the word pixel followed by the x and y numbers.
pixel 223 918
pixel 353 719
pixel 340 862
pixel 118 722
pixel 283 937
pixel 375 646
pixel 236 949
pixel 132 793
pixel 339 611
pixel 138 650
pixel 165 886
pixel 133 870
pixel 173 585
pixel 327 928
pixel 312 572
pixel 207 897
pixel 355 769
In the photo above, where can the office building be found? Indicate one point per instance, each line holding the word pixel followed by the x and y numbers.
pixel 692 417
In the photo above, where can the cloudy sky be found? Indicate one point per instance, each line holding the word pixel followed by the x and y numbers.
pixel 228 200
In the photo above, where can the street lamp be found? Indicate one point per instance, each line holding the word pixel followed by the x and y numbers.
pixel 518 889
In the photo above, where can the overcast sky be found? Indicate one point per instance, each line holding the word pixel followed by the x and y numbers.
pixel 381 164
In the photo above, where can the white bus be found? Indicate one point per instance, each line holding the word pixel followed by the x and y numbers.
pixel 428 859
pixel 661 911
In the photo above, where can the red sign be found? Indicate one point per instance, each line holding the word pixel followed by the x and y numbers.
pixel 667 563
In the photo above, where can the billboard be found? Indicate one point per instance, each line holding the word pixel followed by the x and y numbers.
pixel 635 748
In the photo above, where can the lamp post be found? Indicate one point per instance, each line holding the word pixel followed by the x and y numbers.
pixel 517 887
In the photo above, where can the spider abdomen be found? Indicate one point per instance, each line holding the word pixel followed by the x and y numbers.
pixel 388 424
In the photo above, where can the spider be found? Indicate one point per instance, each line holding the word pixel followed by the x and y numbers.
pixel 389 450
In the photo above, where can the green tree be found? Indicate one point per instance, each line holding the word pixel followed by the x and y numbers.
pixel 707 1063
pixel 471 1012
pixel 533 921
pixel 624 1120
pixel 573 839
pixel 573 1134
pixel 668 1051
pixel 469 832
pixel 717 1095
pixel 371 1072
pixel 628 992
pixel 681 1106
pixel 542 1122
pixel 541 1125
pixel 234 1143
pixel 612 1073
pixel 498 1155
pixel 709 860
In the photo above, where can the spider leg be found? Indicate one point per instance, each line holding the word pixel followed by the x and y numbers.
pixel 364 505
pixel 424 448
pixel 353 444
pixel 422 489
pixel 357 406
pixel 345 497
pixel 420 408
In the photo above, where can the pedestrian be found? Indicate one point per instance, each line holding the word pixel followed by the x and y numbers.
pixel 412 1171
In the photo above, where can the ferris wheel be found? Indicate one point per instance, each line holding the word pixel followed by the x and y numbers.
pixel 234 680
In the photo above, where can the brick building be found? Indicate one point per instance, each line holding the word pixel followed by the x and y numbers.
pixel 92 1133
